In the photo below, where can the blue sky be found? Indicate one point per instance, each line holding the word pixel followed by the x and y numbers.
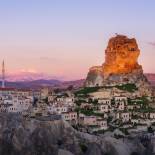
pixel 66 37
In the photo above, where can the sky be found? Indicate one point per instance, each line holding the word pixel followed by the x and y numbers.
pixel 64 38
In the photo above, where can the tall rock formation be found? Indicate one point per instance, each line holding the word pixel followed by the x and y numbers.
pixel 121 56
pixel 120 66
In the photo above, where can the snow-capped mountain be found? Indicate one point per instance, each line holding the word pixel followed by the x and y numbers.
pixel 29 76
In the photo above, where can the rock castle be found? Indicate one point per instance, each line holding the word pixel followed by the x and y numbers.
pixel 120 66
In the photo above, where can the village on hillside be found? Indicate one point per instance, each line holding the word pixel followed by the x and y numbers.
pixel 89 109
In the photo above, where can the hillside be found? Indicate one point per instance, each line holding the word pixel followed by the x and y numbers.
pixel 52 136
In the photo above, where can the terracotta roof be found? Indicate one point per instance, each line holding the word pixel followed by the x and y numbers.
pixel 11 89
pixel 24 90
pixel 6 89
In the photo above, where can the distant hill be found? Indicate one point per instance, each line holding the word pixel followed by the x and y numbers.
pixel 33 84
pixel 42 82
pixel 34 80
pixel 60 84
pixel 151 78
pixel 76 83
pixel 24 76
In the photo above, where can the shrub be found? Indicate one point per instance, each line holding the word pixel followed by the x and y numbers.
pixel 125 131
pixel 87 90
pixel 135 153
pixel 87 112
pixel 150 130
pixel 130 87
pixel 83 147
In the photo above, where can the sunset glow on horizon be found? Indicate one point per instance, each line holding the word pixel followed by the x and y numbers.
pixel 65 38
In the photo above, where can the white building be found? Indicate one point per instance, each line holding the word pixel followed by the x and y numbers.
pixel 7 91
pixel 57 109
pixel 123 116
pixel 121 106
pixel 119 99
pixel 105 101
pixel 102 123
pixel 87 120
pixel 19 105
pixel 70 116
pixel 103 108
pixel 152 115
pixel 15 100
pixel 44 92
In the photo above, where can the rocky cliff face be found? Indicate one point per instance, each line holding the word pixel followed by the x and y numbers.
pixel 120 66
pixel 20 136
pixel 121 56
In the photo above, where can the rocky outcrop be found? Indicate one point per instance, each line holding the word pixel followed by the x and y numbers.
pixel 43 136
pixel 120 66
pixel 121 56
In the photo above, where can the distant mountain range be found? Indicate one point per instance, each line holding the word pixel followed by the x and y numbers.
pixel 35 82
pixel 151 78
pixel 32 79
pixel 23 76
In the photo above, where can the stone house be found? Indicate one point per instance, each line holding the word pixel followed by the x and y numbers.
pixel 87 120
pixel 135 121
pixel 123 116
pixel 51 98
pixel 102 123
pixel 119 99
pixel 58 109
pixel 70 117
pixel 103 108
pixel 105 101
pixel 121 106
pixel 152 115
pixel 19 104
pixel 44 92
pixel 86 106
